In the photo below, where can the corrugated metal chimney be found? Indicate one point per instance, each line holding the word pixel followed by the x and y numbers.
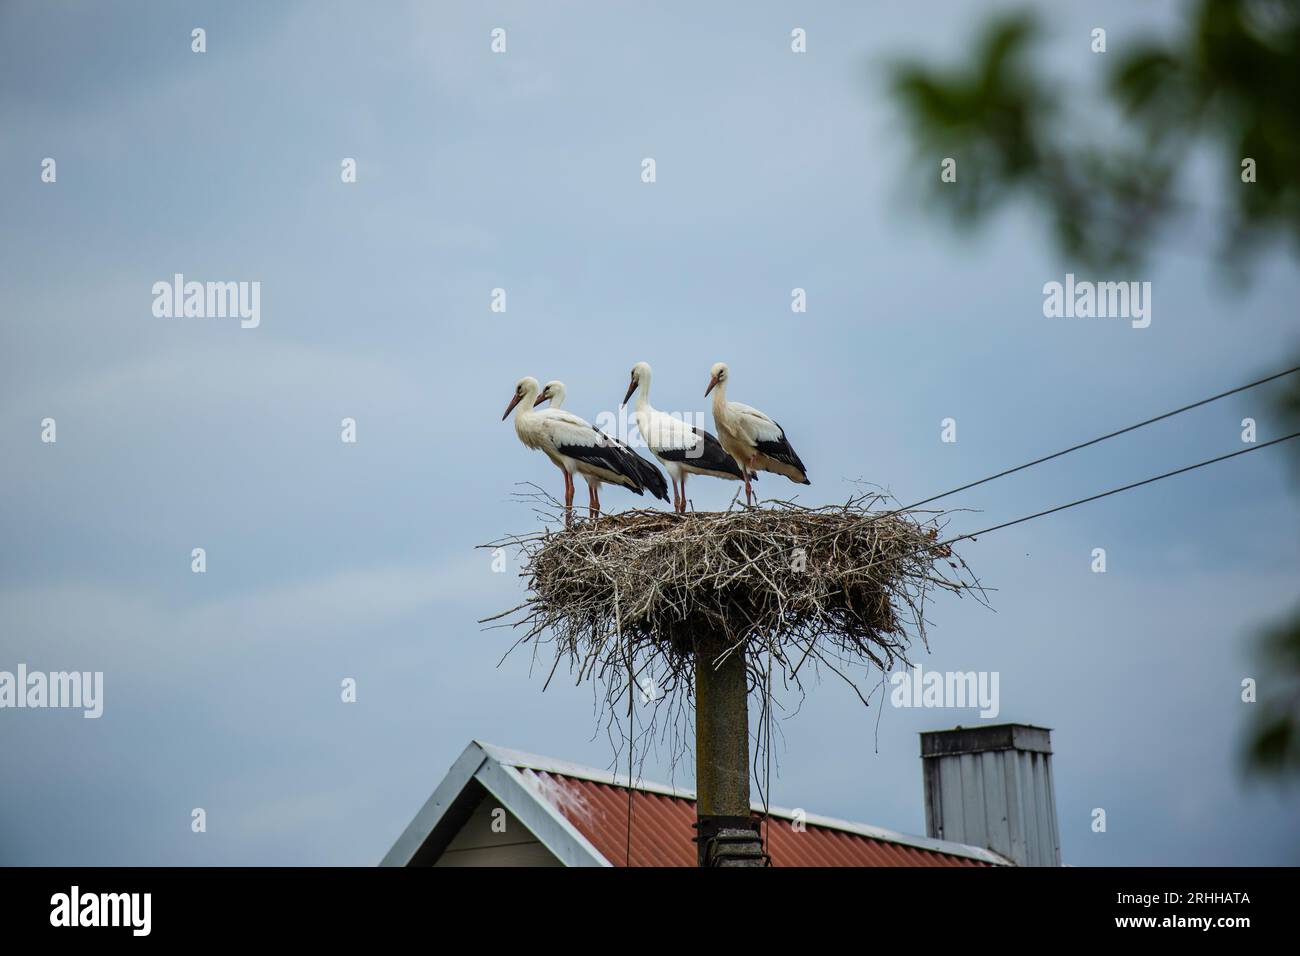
pixel 992 787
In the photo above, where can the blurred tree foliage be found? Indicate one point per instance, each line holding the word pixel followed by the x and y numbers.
pixel 1114 187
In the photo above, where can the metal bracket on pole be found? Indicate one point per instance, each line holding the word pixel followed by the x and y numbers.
pixel 729 841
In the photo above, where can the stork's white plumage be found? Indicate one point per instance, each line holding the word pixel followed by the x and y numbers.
pixel 756 441
pixel 576 446
pixel 555 393
pixel 681 448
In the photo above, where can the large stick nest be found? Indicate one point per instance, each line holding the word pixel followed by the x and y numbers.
pixel 645 592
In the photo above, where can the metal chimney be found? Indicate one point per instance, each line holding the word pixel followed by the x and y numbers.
pixel 992 787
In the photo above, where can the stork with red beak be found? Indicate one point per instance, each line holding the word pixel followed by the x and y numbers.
pixel 756 441
pixel 576 446
pixel 682 449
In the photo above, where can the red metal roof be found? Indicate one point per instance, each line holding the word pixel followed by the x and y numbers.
pixel 662 831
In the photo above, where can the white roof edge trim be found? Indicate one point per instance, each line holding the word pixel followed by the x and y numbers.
pixel 526 802
pixel 431 813
pixel 522 759
pixel 519 758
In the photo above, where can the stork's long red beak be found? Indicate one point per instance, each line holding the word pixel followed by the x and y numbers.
pixel 630 389
pixel 713 380
pixel 541 398
pixel 511 407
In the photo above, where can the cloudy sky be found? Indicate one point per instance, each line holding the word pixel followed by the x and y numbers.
pixel 328 560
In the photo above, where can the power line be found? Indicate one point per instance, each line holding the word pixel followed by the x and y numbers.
pixel 1115 491
pixel 1094 441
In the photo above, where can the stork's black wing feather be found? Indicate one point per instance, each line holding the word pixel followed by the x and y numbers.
pixel 781 450
pixel 710 455
pixel 610 454
pixel 649 476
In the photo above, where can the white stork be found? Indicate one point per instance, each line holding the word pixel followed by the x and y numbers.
pixel 681 448
pixel 555 392
pixel 648 475
pixel 577 446
pixel 757 442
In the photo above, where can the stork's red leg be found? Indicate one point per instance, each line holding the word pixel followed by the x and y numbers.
pixel 568 499
pixel 595 502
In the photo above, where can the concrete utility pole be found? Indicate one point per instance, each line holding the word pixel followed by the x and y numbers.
pixel 726 833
